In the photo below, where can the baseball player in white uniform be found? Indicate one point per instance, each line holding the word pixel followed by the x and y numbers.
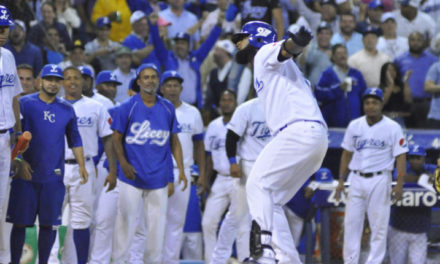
pixel 371 145
pixel 222 191
pixel 10 87
pixel 299 139
pixel 191 138
pixel 247 126
pixel 93 122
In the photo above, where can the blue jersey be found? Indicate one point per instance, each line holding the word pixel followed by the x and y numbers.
pixel 412 219
pixel 147 132
pixel 193 221
pixel 299 204
pixel 48 123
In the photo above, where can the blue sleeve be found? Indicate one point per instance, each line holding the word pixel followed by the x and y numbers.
pixel 197 137
pixel 72 133
pixel 231 12
pixel 206 47
pixel 328 89
pixel 159 46
pixel 120 119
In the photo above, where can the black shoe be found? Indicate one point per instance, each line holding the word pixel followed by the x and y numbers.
pixel 249 261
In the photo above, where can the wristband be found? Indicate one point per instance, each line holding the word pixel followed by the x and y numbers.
pixel 232 160
pixel 18 133
pixel 18 159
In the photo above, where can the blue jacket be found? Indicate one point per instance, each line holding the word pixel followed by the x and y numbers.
pixel 196 57
pixel 337 106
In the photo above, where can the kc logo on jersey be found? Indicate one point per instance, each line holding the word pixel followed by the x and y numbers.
pixel 142 132
pixel 368 143
pixel 49 117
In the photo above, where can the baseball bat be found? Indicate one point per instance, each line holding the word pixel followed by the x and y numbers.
pixel 21 145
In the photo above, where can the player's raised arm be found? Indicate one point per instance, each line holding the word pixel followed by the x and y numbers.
pixel 176 148
pixel 295 44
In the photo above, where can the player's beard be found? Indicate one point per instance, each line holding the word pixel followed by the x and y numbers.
pixel 51 94
pixel 246 55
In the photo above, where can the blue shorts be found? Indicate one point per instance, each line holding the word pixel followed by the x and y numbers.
pixel 27 199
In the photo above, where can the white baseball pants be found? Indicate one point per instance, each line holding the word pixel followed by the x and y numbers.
pixel 237 223
pixel 5 229
pixel 280 170
pixel 218 200
pixel 5 165
pixel 155 208
pixel 176 216
pixel 192 246
pixel 296 225
pixel 77 207
pixel 104 221
pixel 371 196
pixel 407 247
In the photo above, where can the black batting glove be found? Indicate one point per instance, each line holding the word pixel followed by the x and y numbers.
pixel 302 37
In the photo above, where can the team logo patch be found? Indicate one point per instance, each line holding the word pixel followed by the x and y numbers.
pixel 401 141
pixel 142 132
pixel 109 120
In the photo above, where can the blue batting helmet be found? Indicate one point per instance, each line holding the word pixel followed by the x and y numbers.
pixel 260 33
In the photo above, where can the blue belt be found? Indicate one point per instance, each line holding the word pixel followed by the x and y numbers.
pixel 295 121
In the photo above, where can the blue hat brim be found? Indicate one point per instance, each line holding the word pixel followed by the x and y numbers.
pixel 53 75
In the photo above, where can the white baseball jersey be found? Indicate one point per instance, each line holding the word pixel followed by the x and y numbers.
pixel 93 121
pixel 107 103
pixel 10 86
pixel 249 123
pixel 191 126
pixel 285 93
pixel 215 142
pixel 374 147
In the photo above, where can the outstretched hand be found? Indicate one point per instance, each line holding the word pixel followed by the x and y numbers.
pixel 302 37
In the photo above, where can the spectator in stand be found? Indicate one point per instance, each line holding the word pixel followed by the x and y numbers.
pixel 139 41
pixel 20 10
pixel 124 73
pixel 347 36
pixel 316 57
pixel 84 9
pixel 102 48
pixel 432 8
pixel 67 15
pixel 211 20
pixel 339 90
pixel 329 14
pixel 77 56
pixel 106 84
pixel 432 86
pixel 181 20
pixel 369 60
pixel 53 51
pixel 374 14
pixel 39 31
pixel 409 19
pixel 418 60
pixel 266 11
pixel 390 43
pixel 187 63
pixel 23 50
pixel 407 233
pixel 118 13
pixel 218 80
pixel 26 74
pixel 397 97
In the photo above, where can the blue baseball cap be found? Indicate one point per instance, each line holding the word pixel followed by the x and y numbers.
pixel 375 4
pixel 324 175
pixel 102 22
pixel 170 75
pixel 373 92
pixel 85 70
pixel 182 35
pixel 134 86
pixel 146 66
pixel 107 77
pixel 416 150
pixel 52 70
pixel 5 16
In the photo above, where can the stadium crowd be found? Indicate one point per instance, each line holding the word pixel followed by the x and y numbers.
pixel 113 49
